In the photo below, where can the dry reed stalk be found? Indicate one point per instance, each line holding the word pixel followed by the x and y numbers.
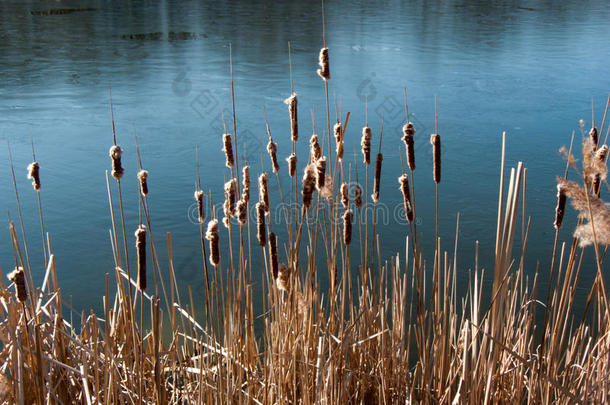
pixel 347 227
pixel 115 154
pixel 406 196
pixel 344 190
pixel 283 278
pixel 309 184
pixel 141 250
pixel 261 233
pixel 292 165
pixel 241 211
pixel 17 276
pixel 199 199
pixel 228 150
pixel 272 150
pixel 365 143
pixel 377 180
pixel 320 173
pixel 34 174
pixel 273 255
pixel 316 150
pixel 324 71
pixel 263 191
pixel 292 110
pixel 212 235
pixel 358 195
pixel 142 178
pixel 245 182
pixel 408 138
pixel 435 140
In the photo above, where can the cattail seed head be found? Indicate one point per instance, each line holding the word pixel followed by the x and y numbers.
pixel 347 227
pixel 320 173
pixel 115 154
pixel 141 249
pixel 358 195
pixel 309 183
pixel 241 210
pixel 245 182
pixel 212 235
pixel 340 149
pixel 283 278
pixel 142 177
pixel 324 71
pixel 292 110
pixel 409 131
pixel 273 254
pixel 435 140
pixel 230 196
pixel 292 165
pixel 600 169
pixel 34 174
pixel 316 150
pixel 272 150
pixel 561 206
pixel 594 137
pixel 263 191
pixel 199 199
pixel 344 195
pixel 375 195
pixel 365 143
pixel 406 196
pixel 228 149
pixel 17 276
pixel 261 234
pixel 337 132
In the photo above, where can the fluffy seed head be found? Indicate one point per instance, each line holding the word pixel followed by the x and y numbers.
pixel 228 149
pixel 320 173
pixel 115 154
pixel 212 235
pixel 272 150
pixel 263 191
pixel 358 195
pixel 344 195
pixel 309 183
pixel 324 71
pixel 261 234
pixel 337 132
pixel 292 164
pixel 561 206
pixel 17 276
pixel 340 149
pixel 245 182
pixel 142 177
pixel 34 174
pixel 347 227
pixel 141 249
pixel 292 110
pixel 409 131
pixel 594 137
pixel 199 199
pixel 435 140
pixel 375 195
pixel 365 143
pixel 316 150
pixel 406 196
pixel 241 211
pixel 230 197
pixel 283 278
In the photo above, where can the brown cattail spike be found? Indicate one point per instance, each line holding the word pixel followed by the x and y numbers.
pixel 231 195
pixel 241 211
pixel 199 199
pixel 594 137
pixel 34 174
pixel 17 276
pixel 142 177
pixel 347 227
pixel 261 233
pixel 561 206
pixel 141 248
pixel 212 236
pixel 263 191
pixel 409 131
pixel 316 150
pixel 292 165
pixel 320 173
pixel 228 149
pixel 344 195
pixel 324 71
pixel 309 183
pixel 435 140
pixel 245 181
pixel 599 165
pixel 283 278
pixel 365 143
pixel 273 254
pixel 358 195
pixel 337 132
pixel 272 150
pixel 406 196
pixel 375 195
pixel 340 150
pixel 115 154
pixel 292 109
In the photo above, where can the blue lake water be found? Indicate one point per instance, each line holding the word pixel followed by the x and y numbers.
pixel 530 68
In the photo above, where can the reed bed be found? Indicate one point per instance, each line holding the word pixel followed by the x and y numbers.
pixel 389 330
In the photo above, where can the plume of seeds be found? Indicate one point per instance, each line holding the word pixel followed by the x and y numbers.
pixel 435 140
pixel 141 248
pixel 365 143
pixel 115 154
pixel 245 182
pixel 272 150
pixel 228 149
pixel 344 195
pixel 309 183
pixel 316 150
pixel 292 164
pixel 263 191
pixel 199 199
pixel 327 190
pixel 594 137
pixel 375 195
pixel 283 278
pixel 409 131
pixel 230 197
pixel 212 235
pixel 358 195
pixel 292 110
pixel 347 227
pixel 324 71
pixel 273 254
pixel 17 276
pixel 406 196
pixel 600 165
pixel 142 176
pixel 241 211
pixel 320 173
pixel 337 130
pixel 261 234
pixel 34 174
pixel 561 206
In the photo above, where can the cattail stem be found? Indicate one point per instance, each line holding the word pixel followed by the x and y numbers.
pixel 141 249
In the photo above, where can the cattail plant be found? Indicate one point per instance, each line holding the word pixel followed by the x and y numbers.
pixel 292 164
pixel 273 254
pixel 409 131
pixel 228 149
pixel 34 174
pixel 340 150
pixel 594 137
pixel 435 140
pixel 320 173
pixel 600 164
pixel 199 199
pixel 375 195
pixel 561 206
pixel 141 249
pixel 212 235
pixel 344 195
pixel 283 278
pixel 263 191
pixel 261 233
pixel 292 110
pixel 17 276
pixel 316 150
pixel 245 182
pixel 324 71
pixel 338 132
pixel 365 143
pixel 272 150
pixel 309 183
pixel 241 211
pixel 347 227
pixel 115 154
pixel 142 177
pixel 230 197
pixel 357 195
pixel 406 196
